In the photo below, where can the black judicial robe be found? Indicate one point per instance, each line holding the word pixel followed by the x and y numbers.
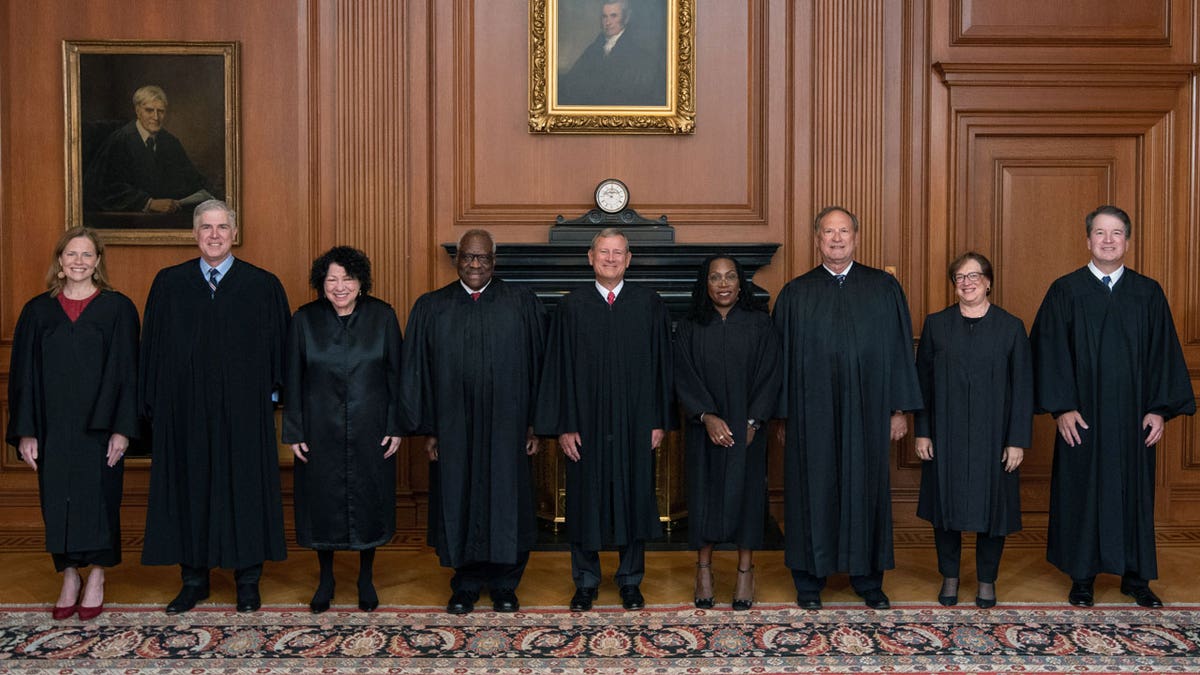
pixel 209 363
pixel 977 381
pixel 71 386
pixel 1114 357
pixel 847 364
pixel 608 377
pixel 124 174
pixel 470 378
pixel 342 396
pixel 729 368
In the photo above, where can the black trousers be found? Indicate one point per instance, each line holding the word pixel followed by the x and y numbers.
pixel 198 576
pixel 495 576
pixel 861 583
pixel 585 565
pixel 987 554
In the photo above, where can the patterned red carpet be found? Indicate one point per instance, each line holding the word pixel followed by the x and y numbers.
pixel 132 640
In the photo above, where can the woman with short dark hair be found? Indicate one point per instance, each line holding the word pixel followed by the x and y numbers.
pixel 976 376
pixel 342 419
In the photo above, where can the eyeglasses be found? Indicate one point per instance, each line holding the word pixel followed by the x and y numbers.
pixel 481 258
pixel 972 277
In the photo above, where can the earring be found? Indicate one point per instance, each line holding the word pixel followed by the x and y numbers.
pixel 61 275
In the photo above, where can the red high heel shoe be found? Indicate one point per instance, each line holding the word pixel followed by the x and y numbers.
pixel 86 613
pixel 60 613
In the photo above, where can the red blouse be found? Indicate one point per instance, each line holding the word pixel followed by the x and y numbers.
pixel 74 308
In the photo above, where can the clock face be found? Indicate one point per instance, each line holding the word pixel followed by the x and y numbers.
pixel 611 195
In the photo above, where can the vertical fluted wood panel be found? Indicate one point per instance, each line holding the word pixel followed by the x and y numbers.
pixel 849 118
pixel 370 151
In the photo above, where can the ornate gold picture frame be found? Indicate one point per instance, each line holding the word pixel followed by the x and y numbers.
pixel 620 66
pixel 152 129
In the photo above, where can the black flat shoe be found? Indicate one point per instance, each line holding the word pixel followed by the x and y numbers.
pixel 368 600
pixel 945 598
pixel 631 597
pixel 462 602
pixel 582 600
pixel 1143 596
pixel 985 603
pixel 505 600
pixel 321 599
pixel 808 600
pixel 1081 595
pixel 248 599
pixel 187 599
pixel 876 599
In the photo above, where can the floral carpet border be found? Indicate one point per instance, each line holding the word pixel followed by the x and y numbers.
pixel 666 640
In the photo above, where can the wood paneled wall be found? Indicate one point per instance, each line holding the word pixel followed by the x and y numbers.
pixel 395 125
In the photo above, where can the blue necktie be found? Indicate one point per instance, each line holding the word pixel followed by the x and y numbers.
pixel 841 279
pixel 1107 283
pixel 212 280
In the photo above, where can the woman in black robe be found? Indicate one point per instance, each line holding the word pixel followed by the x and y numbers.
pixel 727 378
pixel 342 419
pixel 976 376
pixel 72 402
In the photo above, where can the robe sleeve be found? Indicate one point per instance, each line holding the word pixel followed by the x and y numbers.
pixel 416 379
pixel 782 319
pixel 394 345
pixel 116 409
pixel 556 414
pixel 906 392
pixel 279 320
pixel 295 356
pixel 25 397
pixel 768 374
pixel 154 326
pixel 663 387
pixel 1053 363
pixel 923 419
pixel 1020 388
pixel 690 388
pixel 535 319
pixel 1168 389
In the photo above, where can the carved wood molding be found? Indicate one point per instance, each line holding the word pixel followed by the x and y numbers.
pixel 1065 75
pixel 967 29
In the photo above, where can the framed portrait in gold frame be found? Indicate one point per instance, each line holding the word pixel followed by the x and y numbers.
pixel 151 131
pixel 612 66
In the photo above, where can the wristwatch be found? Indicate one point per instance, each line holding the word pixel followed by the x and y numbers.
pixel 753 423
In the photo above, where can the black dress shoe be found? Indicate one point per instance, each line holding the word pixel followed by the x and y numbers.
pixel 876 599
pixel 1142 595
pixel 321 599
pixel 1081 595
pixel 462 602
pixel 505 600
pixel 582 600
pixel 247 598
pixel 187 599
pixel 984 603
pixel 631 597
pixel 808 600
pixel 367 598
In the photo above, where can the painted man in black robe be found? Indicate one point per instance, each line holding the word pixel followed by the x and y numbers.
pixel 141 166
pixel 212 359
pixel 849 378
pixel 1108 366
pixel 606 394
pixel 471 366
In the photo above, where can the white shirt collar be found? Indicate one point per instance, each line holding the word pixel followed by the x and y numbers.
pixel 142 131
pixel 610 42
pixel 604 291
pixel 1115 275
pixel 469 290
pixel 845 271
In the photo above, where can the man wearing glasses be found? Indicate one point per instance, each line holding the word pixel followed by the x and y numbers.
pixel 472 354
